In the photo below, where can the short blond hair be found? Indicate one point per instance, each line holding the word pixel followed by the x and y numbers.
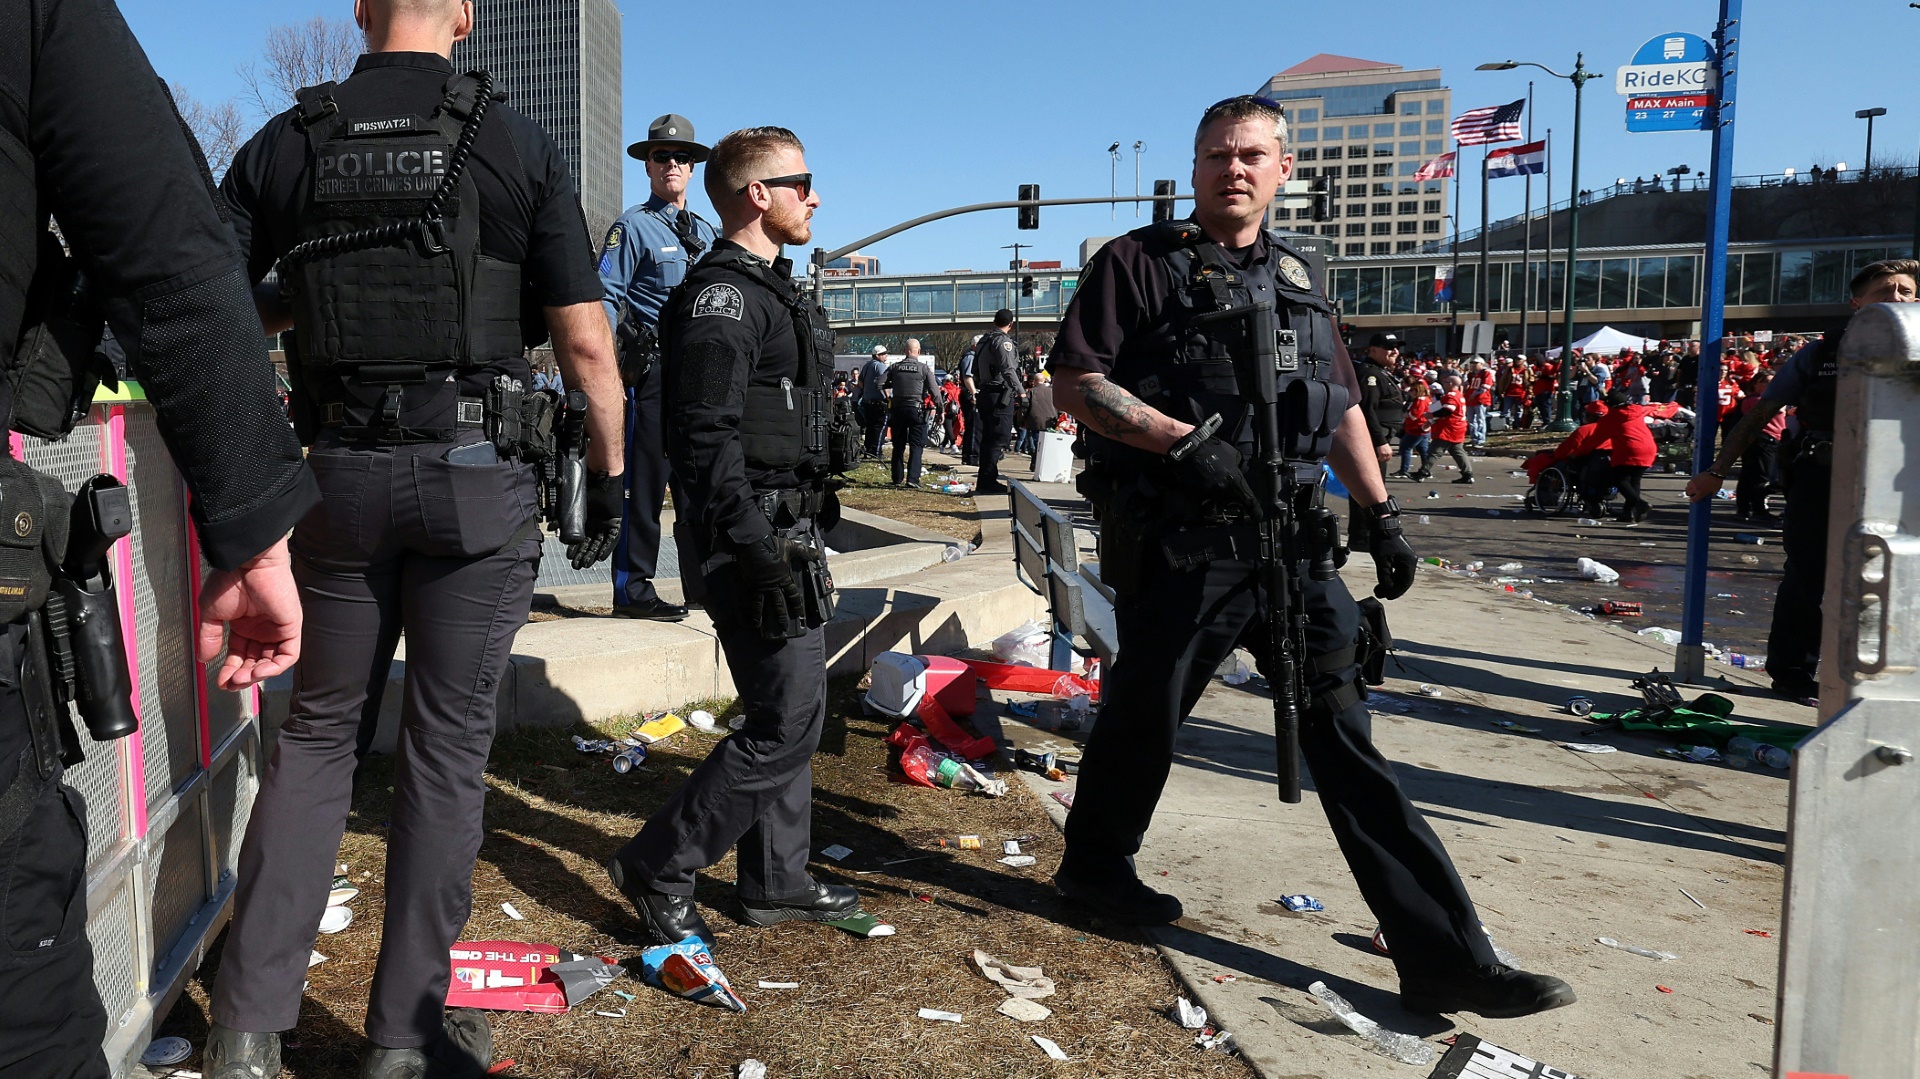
pixel 741 157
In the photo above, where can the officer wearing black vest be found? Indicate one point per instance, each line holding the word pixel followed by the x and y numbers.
pixel 908 383
pixel 89 138
pixel 1809 383
pixel 1381 402
pixel 996 378
pixel 748 366
pixel 1145 369
pixel 424 235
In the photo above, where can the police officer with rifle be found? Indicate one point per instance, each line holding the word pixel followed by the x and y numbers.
pixel 1206 366
pixel 89 138
pixel 423 236
pixel 749 365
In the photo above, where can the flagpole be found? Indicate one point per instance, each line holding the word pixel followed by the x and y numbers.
pixel 1526 256
pixel 1453 285
pixel 1484 293
pixel 1546 268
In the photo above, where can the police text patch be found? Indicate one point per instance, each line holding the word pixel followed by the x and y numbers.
pixel 402 169
pixel 719 300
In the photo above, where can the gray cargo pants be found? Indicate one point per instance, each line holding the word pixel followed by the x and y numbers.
pixel 403 540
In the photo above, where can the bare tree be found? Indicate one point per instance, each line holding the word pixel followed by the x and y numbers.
pixel 219 128
pixel 301 55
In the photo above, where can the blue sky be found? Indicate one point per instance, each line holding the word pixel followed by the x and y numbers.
pixel 909 107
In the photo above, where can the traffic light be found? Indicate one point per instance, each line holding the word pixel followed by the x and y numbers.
pixel 1323 200
pixel 1029 215
pixel 1026 285
pixel 1162 211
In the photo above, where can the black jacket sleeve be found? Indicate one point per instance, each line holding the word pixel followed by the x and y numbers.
pixel 708 361
pixel 1370 402
pixel 133 199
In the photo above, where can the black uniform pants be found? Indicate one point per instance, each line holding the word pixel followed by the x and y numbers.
pixel 909 442
pixel 1756 476
pixel 54 1021
pixel 873 416
pixel 1626 478
pixel 402 540
pixel 754 793
pixel 969 430
pixel 1175 628
pixel 996 431
pixel 1793 645
pixel 637 558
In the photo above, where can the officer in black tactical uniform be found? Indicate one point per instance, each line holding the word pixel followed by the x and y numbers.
pixel 1141 364
pixel 1381 403
pixel 425 234
pixel 88 136
pixel 996 377
pixel 1809 383
pixel 748 364
pixel 908 383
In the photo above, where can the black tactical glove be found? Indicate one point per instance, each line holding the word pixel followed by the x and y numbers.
pixel 1210 468
pixel 1393 557
pixel 775 605
pixel 605 498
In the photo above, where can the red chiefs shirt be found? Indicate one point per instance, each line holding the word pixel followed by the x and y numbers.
pixel 1418 420
pixel 1451 426
pixel 1480 386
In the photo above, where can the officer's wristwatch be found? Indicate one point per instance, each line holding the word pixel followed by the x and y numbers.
pixel 1389 508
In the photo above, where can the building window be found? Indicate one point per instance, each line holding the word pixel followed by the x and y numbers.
pixel 1383 131
pixel 1406 188
pixel 1383 248
pixel 1306 116
pixel 1429 228
pixel 1381 191
pixel 1408 168
pixel 1383 209
pixel 1436 146
pixel 1410 128
pixel 1433 186
pixel 1356 249
pixel 1383 149
pixel 1305 134
pixel 1331 133
pixel 1404 245
pixel 1436 105
pixel 1436 127
pixel 1408 207
pixel 1329 230
pixel 1307 154
pixel 1356 209
pixel 1307 173
pixel 1385 168
pixel 1281 213
pixel 1383 228
pixel 1331 153
pixel 1356 171
pixel 1409 108
pixel 1430 206
pixel 1356 191
pixel 1409 149
pixel 1356 230
pixel 1405 228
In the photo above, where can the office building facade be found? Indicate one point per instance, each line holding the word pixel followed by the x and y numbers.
pixel 1366 127
pixel 558 61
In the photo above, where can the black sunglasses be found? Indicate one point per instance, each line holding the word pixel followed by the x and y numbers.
pixel 671 157
pixel 802 183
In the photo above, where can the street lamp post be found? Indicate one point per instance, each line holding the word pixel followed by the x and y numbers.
pixel 1138 148
pixel 1113 178
pixel 1563 395
pixel 1866 172
pixel 1678 171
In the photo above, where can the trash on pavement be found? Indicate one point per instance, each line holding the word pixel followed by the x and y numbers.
pixel 1473 1058
pixel 1029 644
pixel 1061 685
pixel 965 842
pixel 592 745
pixel 687 970
pixel 751 1069
pixel 1597 571
pixel 1011 846
pixel 314 959
pixel 618 1013
pixel 1750 539
pixel 1223 979
pixel 665 725
pixel 1511 567
pixel 1580 706
pixel 1698 754
pixel 1048 1047
pixel 1301 904
pixel 862 924
pixel 515 976
pixel 1621 609
pixel 342 893
pixel 1018 861
pixel 703 721
pixel 1663 989
pixel 1065 798
pixel 1029 982
pixel 1404 1048
pixel 1660 633
pixel 940 1016
pixel 1508 724
pixel 1749 560
pixel 629 758
pixel 898 682
pixel 335 919
pixel 1026 1011
pixel 1218 1040
pixel 1757 933
pixel 1694 901
pixel 1589 747
pixel 1234 671
pixel 163 1052
pixel 1744 748
pixel 779 985
pixel 1428 690
pixel 1188 1014
pixel 836 852
pixel 1635 949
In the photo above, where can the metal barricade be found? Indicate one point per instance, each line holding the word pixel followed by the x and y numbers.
pixel 1850 964
pixel 167 807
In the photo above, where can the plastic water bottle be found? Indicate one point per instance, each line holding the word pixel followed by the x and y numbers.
pixel 1771 756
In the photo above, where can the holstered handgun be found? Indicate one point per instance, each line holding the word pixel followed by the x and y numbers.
pixel 80 622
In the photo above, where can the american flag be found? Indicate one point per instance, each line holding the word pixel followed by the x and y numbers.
pixel 1439 168
pixel 1495 123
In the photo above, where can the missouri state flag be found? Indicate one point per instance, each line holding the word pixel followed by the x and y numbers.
pixel 1527 160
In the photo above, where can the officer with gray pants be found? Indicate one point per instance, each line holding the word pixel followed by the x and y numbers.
pixel 428 522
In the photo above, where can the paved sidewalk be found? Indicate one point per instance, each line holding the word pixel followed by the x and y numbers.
pixel 1557 847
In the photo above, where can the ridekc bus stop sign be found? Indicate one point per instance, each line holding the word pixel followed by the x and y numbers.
pixel 1671 85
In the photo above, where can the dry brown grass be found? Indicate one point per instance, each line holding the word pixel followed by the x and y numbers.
pixel 553 816
pixel 870 488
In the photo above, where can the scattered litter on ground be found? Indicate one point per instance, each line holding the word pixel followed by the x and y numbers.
pixel 665 725
pixel 1756 1016
pixel 1696 902
pixel 1508 724
pixel 1597 571
pixel 1025 1010
pixel 737 723
pixel 1048 1047
pixel 1663 989
pixel 779 985
pixel 512 975
pixel 1589 747
pixel 1011 846
pixel 1580 706
pixel 342 893
pixel 1636 949
pixel 1473 1058
pixel 620 1013
pixel 628 997
pixel 629 758
pixel 965 842
pixel 1750 539
pixel 1301 904
pixel 1029 982
pixel 1223 979
pixel 1511 567
pixel 1698 754
pixel 1065 798
pixel 863 925
pixel 1621 609
pixel 1188 1014
pixel 1027 645
pixel 1660 633
pixel 1018 861
pixel 165 1052
pixel 1429 690
pixel 335 919
pixel 1220 1041
pixel 751 1069
pixel 314 959
pixel 512 912
pixel 941 1017
pixel 836 852
pixel 687 970
pixel 1757 933
pixel 703 721
pixel 1404 1048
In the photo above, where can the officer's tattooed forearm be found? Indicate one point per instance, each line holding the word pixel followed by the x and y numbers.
pixel 1114 412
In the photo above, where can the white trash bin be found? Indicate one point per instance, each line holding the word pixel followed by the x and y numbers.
pixel 1053 460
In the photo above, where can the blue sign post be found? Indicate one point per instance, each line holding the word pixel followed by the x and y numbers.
pixel 1690 659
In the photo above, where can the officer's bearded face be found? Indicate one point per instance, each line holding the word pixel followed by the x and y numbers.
pixel 1237 167
pixel 790 219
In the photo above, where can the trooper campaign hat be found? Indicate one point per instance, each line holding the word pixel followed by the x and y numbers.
pixel 672 129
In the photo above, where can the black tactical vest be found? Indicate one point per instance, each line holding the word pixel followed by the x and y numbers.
pixel 909 383
pixel 1822 391
pixel 387 272
pixel 992 372
pixel 786 413
pixel 1185 368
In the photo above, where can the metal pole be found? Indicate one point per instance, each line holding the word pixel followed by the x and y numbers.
pixel 1690 658
pixel 1546 267
pixel 1563 398
pixel 1137 148
pixel 1484 293
pixel 1526 256
pixel 1916 213
pixel 1866 173
pixel 1453 299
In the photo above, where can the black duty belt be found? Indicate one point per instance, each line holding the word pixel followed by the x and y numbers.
pixel 785 508
pixel 468 412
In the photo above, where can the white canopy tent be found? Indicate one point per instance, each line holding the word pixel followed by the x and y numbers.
pixel 1608 341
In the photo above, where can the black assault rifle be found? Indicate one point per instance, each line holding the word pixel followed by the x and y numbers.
pixel 1292 526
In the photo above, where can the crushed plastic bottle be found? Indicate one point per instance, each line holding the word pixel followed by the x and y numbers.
pixel 1745 748
pixel 1475 567
pixel 1588 521
pixel 1404 1048
pixel 1511 567
pixel 1751 663
pixel 956 552
pixel 1424 519
pixel 1664 957
pixel 1661 634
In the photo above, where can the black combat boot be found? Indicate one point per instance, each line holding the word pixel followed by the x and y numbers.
pixel 819 903
pixel 1494 992
pixel 669 919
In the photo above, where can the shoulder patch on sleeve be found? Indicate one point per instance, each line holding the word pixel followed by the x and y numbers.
pixel 719 300
pixel 1373 380
pixel 614 237
pixel 1006 346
